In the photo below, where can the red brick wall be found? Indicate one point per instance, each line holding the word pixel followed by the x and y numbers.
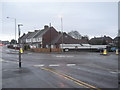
pixel 50 35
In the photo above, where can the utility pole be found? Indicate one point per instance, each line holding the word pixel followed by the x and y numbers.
pixel 50 37
pixel 62 31
pixel 19 44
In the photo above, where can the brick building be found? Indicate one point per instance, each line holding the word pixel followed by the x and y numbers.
pixel 48 37
pixel 101 40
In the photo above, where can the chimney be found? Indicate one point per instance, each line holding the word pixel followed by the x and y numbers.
pixel 36 30
pixel 46 27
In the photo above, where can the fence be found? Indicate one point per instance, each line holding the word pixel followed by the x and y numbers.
pixel 46 50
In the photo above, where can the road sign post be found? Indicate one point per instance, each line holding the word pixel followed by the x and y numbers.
pixel 19 44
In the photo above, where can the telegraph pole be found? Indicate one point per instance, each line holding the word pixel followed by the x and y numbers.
pixel 50 37
pixel 62 31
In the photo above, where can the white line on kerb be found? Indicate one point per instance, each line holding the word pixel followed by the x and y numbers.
pixel 71 64
pixel 41 65
pixel 54 65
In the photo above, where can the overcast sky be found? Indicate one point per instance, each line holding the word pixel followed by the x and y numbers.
pixel 89 18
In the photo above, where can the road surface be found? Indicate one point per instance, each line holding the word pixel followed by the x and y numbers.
pixel 59 70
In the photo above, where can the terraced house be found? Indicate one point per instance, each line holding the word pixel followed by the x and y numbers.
pixel 48 37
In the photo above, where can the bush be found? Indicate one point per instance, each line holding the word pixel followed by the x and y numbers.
pixel 26 47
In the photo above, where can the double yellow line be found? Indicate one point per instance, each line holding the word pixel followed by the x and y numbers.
pixel 71 79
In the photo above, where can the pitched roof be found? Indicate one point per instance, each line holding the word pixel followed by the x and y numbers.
pixel 67 39
pixel 56 39
pixel 36 33
pixel 116 38
pixel 28 34
pixel 25 35
pixel 32 34
pixel 40 33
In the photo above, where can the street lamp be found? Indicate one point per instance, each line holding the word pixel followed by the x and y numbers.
pixel 61 19
pixel 15 28
pixel 19 44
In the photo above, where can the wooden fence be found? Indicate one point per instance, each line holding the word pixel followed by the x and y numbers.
pixel 46 50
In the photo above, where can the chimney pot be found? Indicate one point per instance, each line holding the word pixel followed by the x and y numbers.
pixel 46 26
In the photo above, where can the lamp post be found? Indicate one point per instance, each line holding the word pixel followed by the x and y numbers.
pixel 61 19
pixel 15 28
pixel 19 44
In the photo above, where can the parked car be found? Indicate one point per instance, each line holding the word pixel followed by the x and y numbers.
pixel 13 46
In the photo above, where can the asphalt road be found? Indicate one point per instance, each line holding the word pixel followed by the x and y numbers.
pixel 59 70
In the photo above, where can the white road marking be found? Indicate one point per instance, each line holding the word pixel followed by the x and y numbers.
pixel 113 72
pixel 69 56
pixel 64 56
pixel 16 62
pixel 1 60
pixel 10 61
pixel 60 56
pixel 29 53
pixel 54 65
pixel 71 64
pixel 41 65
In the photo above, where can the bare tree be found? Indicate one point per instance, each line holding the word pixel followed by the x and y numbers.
pixel 75 34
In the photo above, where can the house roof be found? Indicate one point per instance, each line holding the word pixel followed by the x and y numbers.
pixel 40 33
pixel 116 38
pixel 56 39
pixel 32 34
pixel 36 33
pixel 27 35
pixel 67 39
pixel 101 38
pixel 24 36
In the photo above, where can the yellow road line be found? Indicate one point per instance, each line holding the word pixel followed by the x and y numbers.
pixel 71 78
pixel 62 76
pixel 76 80
pixel 81 82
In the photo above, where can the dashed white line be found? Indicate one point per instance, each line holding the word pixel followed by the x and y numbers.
pixel 113 72
pixel 1 60
pixel 64 56
pixel 54 65
pixel 41 65
pixel 71 64
pixel 29 53
pixel 9 61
